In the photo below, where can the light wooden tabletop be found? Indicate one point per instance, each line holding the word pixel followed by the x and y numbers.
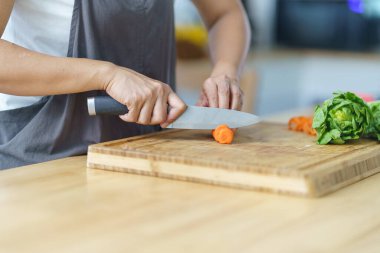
pixel 61 206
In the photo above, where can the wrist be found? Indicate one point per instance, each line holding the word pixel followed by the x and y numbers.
pixel 225 68
pixel 103 75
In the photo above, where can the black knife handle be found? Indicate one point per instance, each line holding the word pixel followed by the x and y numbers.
pixel 105 105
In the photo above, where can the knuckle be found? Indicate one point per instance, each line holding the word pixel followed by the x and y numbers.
pixel 148 94
pixel 135 98
pixel 155 84
pixel 160 90
pixel 166 89
pixel 225 80
pixel 208 83
pixel 224 89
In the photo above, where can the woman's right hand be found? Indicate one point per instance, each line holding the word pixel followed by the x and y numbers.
pixel 147 99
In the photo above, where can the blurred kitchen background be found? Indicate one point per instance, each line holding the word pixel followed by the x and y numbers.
pixel 302 51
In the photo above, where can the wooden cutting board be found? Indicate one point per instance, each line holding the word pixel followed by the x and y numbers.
pixel 265 157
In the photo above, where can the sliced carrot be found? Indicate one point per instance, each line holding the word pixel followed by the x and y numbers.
pixel 223 134
pixel 302 124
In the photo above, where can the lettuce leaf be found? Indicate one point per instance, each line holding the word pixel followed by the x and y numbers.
pixel 341 118
pixel 374 128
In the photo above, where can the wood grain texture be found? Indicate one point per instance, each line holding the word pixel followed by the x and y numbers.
pixel 266 157
pixel 61 207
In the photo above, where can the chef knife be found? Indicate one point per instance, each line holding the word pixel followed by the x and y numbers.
pixel 194 117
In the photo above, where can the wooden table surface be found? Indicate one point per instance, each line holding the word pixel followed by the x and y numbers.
pixel 61 206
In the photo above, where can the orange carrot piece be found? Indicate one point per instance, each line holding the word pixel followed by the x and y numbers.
pixel 302 124
pixel 223 134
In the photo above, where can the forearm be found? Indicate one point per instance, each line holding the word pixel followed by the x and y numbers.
pixel 27 73
pixel 229 42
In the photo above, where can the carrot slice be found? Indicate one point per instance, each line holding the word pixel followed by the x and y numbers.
pixel 223 134
pixel 302 124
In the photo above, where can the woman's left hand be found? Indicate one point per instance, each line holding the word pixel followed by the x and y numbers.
pixel 221 91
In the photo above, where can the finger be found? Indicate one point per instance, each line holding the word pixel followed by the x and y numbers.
pixel 132 115
pixel 236 98
pixel 160 110
pixel 211 91
pixel 177 107
pixel 202 101
pixel 224 94
pixel 146 113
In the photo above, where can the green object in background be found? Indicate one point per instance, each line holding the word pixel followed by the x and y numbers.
pixel 341 118
pixel 374 129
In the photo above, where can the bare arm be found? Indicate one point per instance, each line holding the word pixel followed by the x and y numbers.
pixel 27 73
pixel 229 35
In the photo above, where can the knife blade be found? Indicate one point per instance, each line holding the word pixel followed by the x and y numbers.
pixel 194 117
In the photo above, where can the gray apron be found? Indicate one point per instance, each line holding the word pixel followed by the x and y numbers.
pixel 137 34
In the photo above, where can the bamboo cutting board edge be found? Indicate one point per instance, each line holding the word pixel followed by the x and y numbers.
pixel 169 170
pixel 308 185
pixel 325 179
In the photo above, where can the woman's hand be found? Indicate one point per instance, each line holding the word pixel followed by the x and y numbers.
pixel 221 91
pixel 148 100
pixel 229 36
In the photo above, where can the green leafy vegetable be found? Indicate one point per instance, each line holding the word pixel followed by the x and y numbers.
pixel 341 118
pixel 374 129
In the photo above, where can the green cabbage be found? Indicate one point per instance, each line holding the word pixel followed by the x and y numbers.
pixel 374 129
pixel 341 118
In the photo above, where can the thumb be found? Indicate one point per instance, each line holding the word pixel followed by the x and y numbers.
pixel 176 108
